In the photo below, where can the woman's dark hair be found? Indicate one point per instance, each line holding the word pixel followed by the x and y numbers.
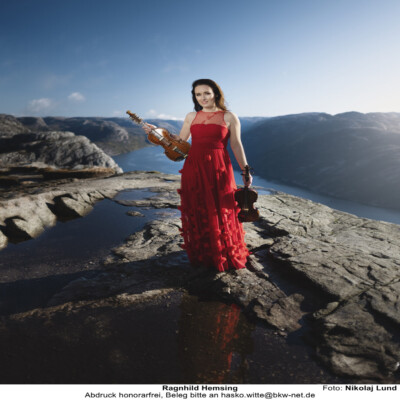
pixel 219 94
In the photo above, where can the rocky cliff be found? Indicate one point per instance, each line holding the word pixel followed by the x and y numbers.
pixel 22 150
pixel 326 275
pixel 113 135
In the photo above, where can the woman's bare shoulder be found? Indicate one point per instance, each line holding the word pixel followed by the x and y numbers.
pixel 190 116
pixel 230 117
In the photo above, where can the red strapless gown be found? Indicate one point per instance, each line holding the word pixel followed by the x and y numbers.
pixel 212 233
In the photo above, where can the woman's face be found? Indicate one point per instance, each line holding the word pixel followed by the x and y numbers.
pixel 205 95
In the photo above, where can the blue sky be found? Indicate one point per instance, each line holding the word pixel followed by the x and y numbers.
pixel 271 57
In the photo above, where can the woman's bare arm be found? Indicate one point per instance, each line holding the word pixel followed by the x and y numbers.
pixel 185 131
pixel 236 143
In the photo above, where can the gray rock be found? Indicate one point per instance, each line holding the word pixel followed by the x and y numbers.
pixel 3 240
pixel 10 125
pixel 338 252
pixel 34 123
pixel 285 314
pixel 112 135
pixel 353 261
pixel 347 259
pixel 57 149
pixel 165 199
pixel 135 214
pixel 150 242
pixel 19 229
pixel 330 307
pixel 314 267
pixel 352 343
pixel 385 301
pixel 71 206
pixel 27 215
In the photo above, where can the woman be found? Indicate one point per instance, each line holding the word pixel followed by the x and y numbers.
pixel 212 233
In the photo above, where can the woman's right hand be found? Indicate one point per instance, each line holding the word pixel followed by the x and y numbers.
pixel 249 181
pixel 148 127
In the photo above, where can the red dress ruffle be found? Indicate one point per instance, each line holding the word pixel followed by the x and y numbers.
pixel 212 233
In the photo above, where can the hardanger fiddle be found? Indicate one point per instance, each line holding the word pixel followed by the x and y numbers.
pixel 175 148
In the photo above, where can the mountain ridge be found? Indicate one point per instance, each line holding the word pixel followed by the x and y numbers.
pixel 352 156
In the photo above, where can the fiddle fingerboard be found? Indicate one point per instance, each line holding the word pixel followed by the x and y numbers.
pixel 135 118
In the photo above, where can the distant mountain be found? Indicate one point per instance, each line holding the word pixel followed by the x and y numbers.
pixel 248 122
pixel 10 125
pixel 21 146
pixel 109 135
pixel 351 156
pixel 113 135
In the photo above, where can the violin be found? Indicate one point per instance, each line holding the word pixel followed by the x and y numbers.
pixel 175 148
pixel 246 197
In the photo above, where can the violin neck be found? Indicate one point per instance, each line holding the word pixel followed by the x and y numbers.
pixel 158 135
pixel 140 122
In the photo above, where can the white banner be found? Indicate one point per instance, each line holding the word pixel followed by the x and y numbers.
pixel 199 391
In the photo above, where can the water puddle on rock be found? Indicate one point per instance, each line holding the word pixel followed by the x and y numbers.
pixel 106 226
pixel 31 272
pixel 173 338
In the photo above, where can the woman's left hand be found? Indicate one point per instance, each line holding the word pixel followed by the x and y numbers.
pixel 176 137
pixel 249 181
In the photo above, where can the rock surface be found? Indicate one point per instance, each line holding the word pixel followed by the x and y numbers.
pixel 57 149
pixel 326 274
pixel 10 125
pixel 41 206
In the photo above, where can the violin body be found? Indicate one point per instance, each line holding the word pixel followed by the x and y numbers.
pixel 175 148
pixel 246 197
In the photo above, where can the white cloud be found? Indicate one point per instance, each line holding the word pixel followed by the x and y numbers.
pixel 155 115
pixel 166 116
pixel 76 96
pixel 151 113
pixel 40 105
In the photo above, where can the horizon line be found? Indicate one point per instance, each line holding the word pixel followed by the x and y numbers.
pixel 182 119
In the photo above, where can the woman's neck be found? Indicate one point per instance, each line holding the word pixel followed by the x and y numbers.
pixel 210 109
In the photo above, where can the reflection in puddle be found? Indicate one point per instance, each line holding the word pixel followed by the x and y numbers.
pixel 134 194
pixel 174 338
pixel 171 339
pixel 218 344
pixel 214 339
